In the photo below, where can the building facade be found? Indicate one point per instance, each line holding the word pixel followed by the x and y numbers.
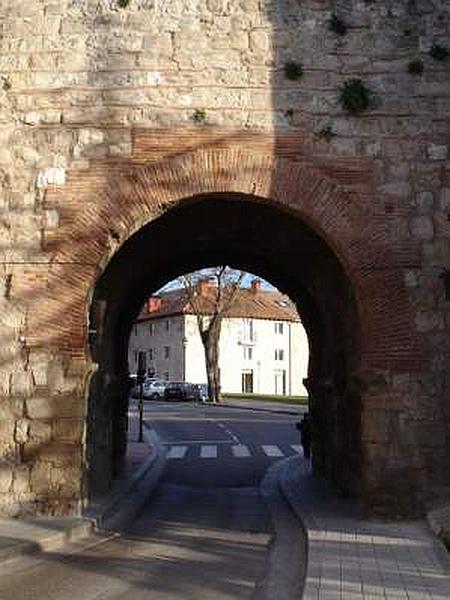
pixel 263 345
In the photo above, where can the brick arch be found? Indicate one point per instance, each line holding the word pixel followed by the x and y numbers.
pixel 105 205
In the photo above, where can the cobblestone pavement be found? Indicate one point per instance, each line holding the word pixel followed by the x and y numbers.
pixel 352 558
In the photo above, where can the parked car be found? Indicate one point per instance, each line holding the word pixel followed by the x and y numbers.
pixel 180 390
pixel 152 389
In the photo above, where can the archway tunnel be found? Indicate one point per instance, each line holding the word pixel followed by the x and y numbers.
pixel 259 237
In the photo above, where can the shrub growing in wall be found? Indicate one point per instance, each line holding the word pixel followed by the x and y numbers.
pixel 354 96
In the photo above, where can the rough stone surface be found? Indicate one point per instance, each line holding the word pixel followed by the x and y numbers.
pixel 110 116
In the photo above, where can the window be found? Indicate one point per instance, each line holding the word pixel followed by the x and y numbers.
pixel 248 352
pixel 248 330
pixel 167 325
pixel 279 328
pixel 150 354
pixel 166 351
pixel 279 354
pixel 135 329
pixel 151 328
pixel 135 354
pixel 166 375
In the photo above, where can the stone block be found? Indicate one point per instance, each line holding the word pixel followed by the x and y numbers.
pixel 375 426
pixel 6 477
pixel 9 505
pixel 424 201
pixel 423 434
pixel 38 366
pixel 68 430
pixel 39 407
pixel 397 189
pixel 51 176
pixel 40 478
pixel 444 200
pixel 259 41
pixel 422 228
pixel 40 430
pixel 67 480
pixel 22 431
pixel 427 321
pixel 21 481
pixel 22 383
pixel 11 409
pixel 437 151
pixel 51 217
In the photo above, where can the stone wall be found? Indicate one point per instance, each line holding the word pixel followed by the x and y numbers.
pixel 89 88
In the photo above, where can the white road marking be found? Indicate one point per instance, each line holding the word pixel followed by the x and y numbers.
pixel 177 452
pixel 196 442
pixel 240 451
pixel 297 448
pixel 225 429
pixel 208 452
pixel 272 451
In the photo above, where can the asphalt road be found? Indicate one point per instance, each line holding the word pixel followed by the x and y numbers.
pixel 205 532
pixel 237 445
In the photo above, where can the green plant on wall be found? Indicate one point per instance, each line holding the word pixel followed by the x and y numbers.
pixel 293 70
pixel 5 83
pixel 289 115
pixel 416 67
pixel 439 52
pixel 198 116
pixel 326 133
pixel 354 96
pixel 123 3
pixel 337 25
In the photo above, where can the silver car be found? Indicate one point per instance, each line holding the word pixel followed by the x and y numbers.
pixel 153 389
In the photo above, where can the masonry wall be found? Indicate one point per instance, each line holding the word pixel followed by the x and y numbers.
pixel 90 90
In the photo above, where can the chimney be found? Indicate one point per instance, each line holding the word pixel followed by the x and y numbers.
pixel 255 286
pixel 154 304
pixel 204 285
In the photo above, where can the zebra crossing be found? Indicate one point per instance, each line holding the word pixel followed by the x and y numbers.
pixel 213 451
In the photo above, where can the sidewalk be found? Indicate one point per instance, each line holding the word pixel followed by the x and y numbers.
pixel 31 535
pixel 258 405
pixel 352 558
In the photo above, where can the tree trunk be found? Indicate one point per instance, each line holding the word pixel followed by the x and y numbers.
pixel 210 339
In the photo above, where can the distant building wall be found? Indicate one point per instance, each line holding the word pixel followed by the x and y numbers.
pixel 274 356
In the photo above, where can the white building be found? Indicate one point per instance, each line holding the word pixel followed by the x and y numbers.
pixel 263 345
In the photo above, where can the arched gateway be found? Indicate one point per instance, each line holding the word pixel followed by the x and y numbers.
pixel 309 225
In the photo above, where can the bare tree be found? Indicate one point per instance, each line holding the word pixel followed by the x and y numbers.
pixel 211 294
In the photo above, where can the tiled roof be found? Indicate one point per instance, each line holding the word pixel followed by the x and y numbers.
pixel 260 304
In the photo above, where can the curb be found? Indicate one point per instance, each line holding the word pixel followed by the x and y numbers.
pixel 106 511
pixel 127 503
pixel 287 561
pixel 254 408
pixel 81 528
